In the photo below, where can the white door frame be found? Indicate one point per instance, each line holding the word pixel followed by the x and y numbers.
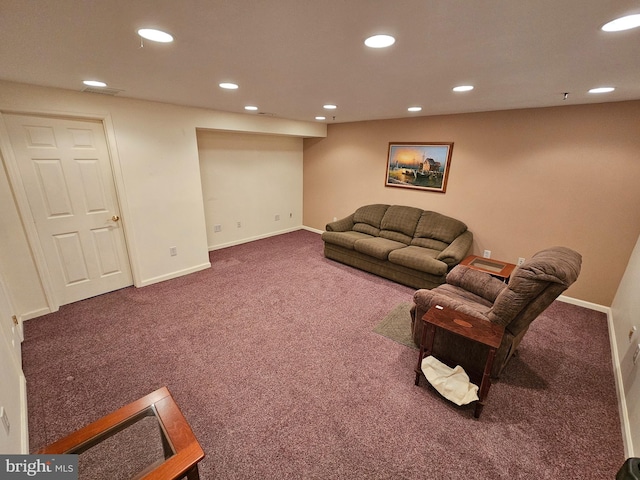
pixel 20 194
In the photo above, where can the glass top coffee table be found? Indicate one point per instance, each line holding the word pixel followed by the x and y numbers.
pixel 147 439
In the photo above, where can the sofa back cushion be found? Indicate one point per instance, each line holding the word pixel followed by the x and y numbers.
pixel 438 227
pixel 429 243
pixel 399 223
pixel 367 219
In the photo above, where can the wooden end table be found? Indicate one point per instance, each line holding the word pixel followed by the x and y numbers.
pixel 497 268
pixel 182 452
pixel 476 329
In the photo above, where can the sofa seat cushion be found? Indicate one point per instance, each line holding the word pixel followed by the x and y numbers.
pixel 377 247
pixel 344 239
pixel 419 258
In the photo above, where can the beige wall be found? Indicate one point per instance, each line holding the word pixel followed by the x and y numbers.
pixel 249 178
pixel 522 180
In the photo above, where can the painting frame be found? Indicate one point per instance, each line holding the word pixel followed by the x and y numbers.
pixel 419 165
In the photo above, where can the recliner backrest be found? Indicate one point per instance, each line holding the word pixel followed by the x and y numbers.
pixel 534 286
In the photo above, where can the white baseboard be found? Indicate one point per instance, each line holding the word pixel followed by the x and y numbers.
pixel 34 313
pixel 623 410
pixel 582 303
pixel 24 416
pixel 179 273
pixel 252 239
pixel 314 230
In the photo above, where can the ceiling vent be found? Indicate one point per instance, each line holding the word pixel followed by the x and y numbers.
pixel 102 90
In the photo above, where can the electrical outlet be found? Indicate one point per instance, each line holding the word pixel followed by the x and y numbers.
pixel 277 218
pixel 217 228
pixel 520 260
pixel 486 254
pixel 335 219
pixel 173 251
pixel 632 330
pixel 636 353
pixel 239 224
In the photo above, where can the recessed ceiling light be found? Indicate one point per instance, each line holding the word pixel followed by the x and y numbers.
pixel 380 41
pixel 155 35
pixel 94 83
pixel 463 88
pixel 622 23
pixel 330 107
pixel 414 109
pixel 253 108
pixel 321 118
pixel 228 86
pixel 602 90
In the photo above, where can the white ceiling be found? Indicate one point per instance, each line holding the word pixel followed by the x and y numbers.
pixel 290 57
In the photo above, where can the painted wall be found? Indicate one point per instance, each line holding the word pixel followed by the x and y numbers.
pixel 157 173
pixel 249 178
pixel 13 389
pixel 626 312
pixel 522 180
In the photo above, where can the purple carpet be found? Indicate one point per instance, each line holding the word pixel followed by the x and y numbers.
pixel 272 358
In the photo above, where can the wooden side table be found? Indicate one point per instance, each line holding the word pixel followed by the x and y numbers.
pixel 497 268
pixel 182 452
pixel 466 326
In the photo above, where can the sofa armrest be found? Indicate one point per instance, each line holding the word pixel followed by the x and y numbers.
pixel 342 225
pixel 457 250
pixel 478 283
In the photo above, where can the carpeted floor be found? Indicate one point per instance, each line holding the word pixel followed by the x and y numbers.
pixel 272 357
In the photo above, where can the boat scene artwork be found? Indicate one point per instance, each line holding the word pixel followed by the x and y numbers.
pixel 423 166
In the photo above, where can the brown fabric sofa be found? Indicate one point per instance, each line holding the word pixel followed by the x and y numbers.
pixel 531 289
pixel 408 245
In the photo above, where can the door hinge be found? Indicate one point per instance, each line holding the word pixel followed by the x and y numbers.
pixel 15 319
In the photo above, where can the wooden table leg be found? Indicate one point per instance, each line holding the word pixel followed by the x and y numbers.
pixel 426 347
pixel 486 382
pixel 193 474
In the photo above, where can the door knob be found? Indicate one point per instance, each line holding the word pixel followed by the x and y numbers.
pixel 115 218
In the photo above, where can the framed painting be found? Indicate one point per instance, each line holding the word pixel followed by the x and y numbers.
pixel 422 166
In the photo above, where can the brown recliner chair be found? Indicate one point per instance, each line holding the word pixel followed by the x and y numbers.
pixel 531 289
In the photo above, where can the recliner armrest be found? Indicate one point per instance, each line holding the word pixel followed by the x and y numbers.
pixel 478 283
pixel 342 225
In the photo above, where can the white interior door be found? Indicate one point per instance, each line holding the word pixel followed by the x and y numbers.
pixel 66 172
